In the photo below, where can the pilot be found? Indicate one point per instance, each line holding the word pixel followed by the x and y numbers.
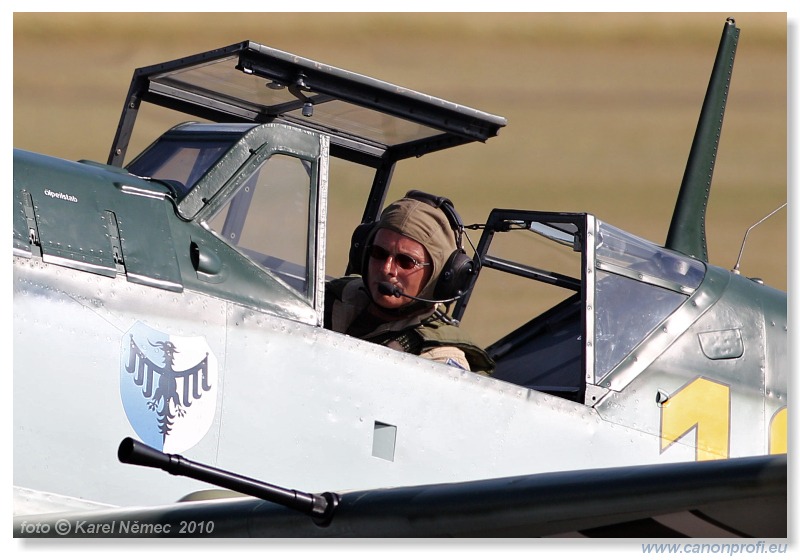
pixel 396 300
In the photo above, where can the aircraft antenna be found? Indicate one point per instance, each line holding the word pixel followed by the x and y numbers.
pixel 741 250
pixel 687 231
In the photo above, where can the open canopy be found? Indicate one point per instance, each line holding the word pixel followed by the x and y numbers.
pixel 369 121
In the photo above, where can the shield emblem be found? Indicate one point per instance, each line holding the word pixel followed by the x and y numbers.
pixel 168 386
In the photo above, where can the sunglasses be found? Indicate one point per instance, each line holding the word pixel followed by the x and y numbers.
pixel 406 262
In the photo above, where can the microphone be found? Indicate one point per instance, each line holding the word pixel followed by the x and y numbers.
pixel 389 289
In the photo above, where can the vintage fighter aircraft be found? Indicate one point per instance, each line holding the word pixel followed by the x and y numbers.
pixel 179 297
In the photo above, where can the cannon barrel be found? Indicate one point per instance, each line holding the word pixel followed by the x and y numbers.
pixel 319 506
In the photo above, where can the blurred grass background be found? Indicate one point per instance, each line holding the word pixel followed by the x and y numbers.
pixel 601 110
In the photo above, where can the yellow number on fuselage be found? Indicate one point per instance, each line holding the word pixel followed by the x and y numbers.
pixel 703 405
pixel 778 437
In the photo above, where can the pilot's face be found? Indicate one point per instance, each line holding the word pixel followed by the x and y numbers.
pixel 402 262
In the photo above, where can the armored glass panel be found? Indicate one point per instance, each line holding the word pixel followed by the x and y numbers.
pixel 264 97
pixel 223 80
pixel 627 311
pixel 364 123
pixel 268 219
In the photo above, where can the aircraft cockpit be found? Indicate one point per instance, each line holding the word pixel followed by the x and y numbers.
pixel 256 179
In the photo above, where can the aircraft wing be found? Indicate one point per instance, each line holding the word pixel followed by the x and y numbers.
pixel 744 497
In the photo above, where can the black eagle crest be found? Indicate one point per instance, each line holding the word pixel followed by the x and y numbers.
pixel 195 382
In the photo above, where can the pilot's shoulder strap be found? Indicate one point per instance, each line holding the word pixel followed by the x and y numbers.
pixel 334 292
pixel 336 286
pixel 439 333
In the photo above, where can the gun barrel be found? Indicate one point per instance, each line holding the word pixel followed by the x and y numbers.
pixel 137 453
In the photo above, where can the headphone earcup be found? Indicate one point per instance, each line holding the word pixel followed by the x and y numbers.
pixel 358 245
pixel 455 277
